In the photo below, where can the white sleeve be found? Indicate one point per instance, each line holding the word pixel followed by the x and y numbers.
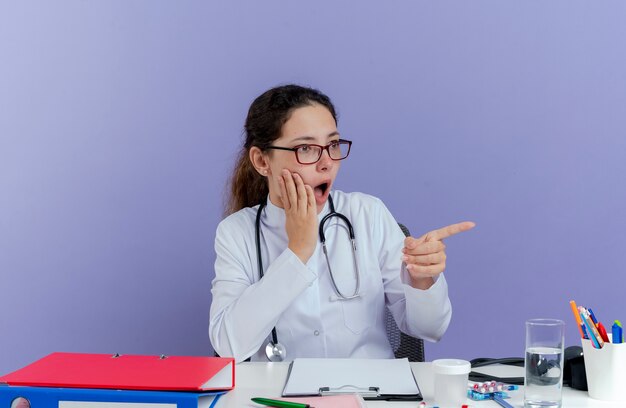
pixel 419 313
pixel 244 309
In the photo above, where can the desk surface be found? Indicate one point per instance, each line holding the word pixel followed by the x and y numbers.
pixel 267 380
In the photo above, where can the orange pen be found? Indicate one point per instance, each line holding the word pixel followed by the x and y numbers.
pixel 577 317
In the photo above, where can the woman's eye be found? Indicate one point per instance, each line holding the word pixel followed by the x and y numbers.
pixel 304 149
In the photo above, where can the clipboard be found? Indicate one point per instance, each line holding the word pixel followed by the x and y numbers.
pixel 372 379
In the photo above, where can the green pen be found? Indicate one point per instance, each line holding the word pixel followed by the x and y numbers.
pixel 280 404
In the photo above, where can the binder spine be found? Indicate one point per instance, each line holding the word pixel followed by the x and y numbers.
pixel 43 397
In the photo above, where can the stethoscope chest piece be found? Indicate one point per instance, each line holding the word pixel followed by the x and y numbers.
pixel 275 352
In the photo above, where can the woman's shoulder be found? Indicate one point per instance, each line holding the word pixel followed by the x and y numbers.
pixel 241 220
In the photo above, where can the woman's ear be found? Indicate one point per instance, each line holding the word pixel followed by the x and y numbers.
pixel 259 161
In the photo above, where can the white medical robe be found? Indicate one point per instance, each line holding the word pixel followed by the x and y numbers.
pixel 299 300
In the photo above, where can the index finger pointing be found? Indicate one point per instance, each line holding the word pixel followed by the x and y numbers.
pixel 445 232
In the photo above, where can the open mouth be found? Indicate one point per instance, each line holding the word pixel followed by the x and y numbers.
pixel 321 190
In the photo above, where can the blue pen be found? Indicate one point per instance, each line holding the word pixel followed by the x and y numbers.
pixel 617 333
pixel 590 333
pixel 585 335
pixel 593 317
pixel 502 402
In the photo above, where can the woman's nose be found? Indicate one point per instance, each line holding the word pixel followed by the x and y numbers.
pixel 325 163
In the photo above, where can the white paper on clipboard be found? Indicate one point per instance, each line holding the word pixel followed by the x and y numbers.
pixel 390 377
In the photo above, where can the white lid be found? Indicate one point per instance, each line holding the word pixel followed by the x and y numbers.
pixel 451 366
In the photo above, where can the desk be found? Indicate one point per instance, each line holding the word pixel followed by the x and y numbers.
pixel 258 379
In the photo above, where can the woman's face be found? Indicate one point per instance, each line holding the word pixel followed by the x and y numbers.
pixel 307 125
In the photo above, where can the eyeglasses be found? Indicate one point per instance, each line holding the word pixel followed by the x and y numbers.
pixel 311 153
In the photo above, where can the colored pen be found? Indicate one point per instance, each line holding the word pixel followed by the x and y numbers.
pixel 502 402
pixel 593 317
pixel 594 336
pixel 617 333
pixel 577 317
pixel 585 336
pixel 597 332
pixel 280 404
pixel 603 332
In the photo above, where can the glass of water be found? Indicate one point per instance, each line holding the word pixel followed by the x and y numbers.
pixel 543 380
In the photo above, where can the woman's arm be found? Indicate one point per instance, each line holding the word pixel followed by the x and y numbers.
pixel 244 310
pixel 423 313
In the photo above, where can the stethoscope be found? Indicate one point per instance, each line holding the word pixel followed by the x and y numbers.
pixel 274 350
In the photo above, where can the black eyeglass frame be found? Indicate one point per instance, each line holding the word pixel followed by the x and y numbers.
pixel 322 148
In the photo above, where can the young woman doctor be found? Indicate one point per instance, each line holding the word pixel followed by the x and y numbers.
pixel 278 293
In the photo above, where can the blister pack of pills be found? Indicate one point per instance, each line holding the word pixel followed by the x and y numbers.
pixel 479 391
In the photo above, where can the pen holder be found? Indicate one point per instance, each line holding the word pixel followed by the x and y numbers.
pixel 606 370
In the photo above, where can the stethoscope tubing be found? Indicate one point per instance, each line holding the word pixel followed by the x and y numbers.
pixel 274 350
pixel 345 219
pixel 258 254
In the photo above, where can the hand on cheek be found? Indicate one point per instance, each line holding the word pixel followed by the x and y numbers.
pixel 300 214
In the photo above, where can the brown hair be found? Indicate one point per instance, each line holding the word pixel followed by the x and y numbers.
pixel 266 117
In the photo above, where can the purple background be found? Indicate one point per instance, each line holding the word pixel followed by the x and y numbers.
pixel 120 120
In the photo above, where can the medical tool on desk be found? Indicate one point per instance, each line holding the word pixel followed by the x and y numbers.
pixel 490 390
pixel 274 350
